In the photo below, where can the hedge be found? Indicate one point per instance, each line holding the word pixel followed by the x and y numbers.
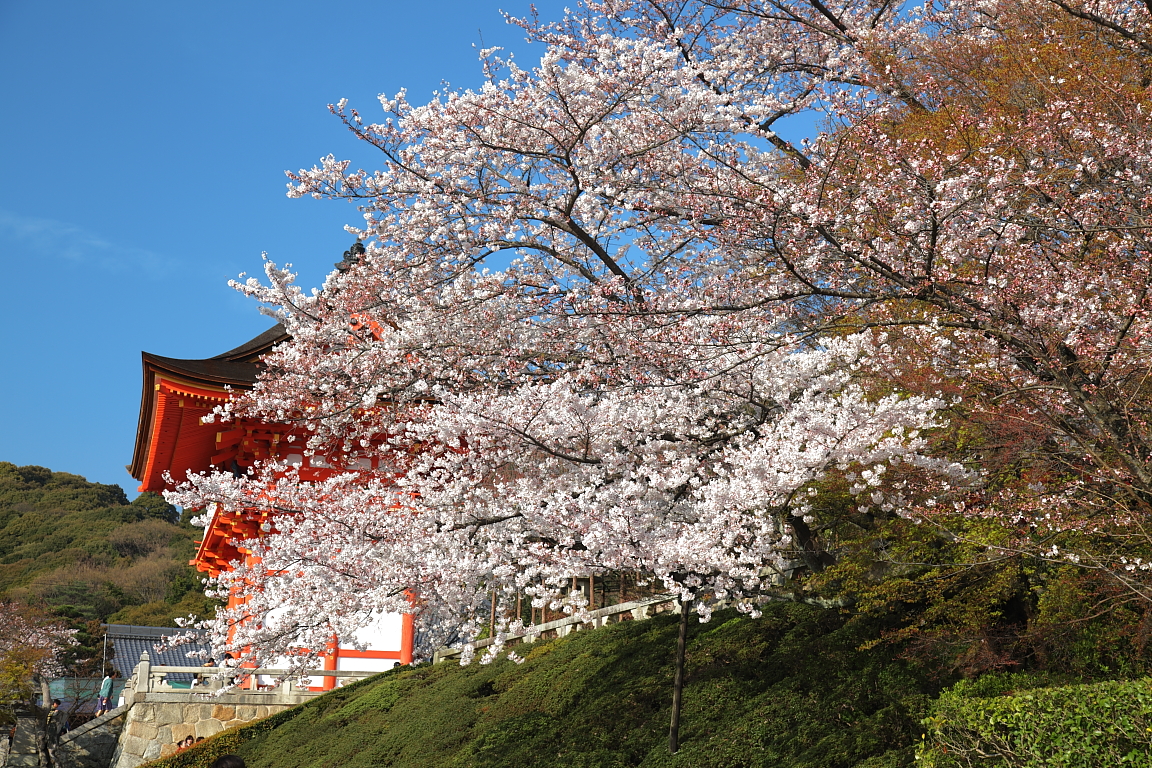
pixel 1071 726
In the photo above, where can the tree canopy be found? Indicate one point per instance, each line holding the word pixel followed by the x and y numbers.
pixel 730 359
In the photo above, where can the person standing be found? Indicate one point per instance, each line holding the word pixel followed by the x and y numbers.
pixel 53 727
pixel 105 696
pixel 55 723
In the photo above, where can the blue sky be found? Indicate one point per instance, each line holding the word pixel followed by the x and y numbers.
pixel 143 148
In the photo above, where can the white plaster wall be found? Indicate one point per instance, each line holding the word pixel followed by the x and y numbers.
pixel 382 633
pixel 281 662
pixel 365 665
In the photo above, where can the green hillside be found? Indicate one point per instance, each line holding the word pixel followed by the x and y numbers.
pixel 83 551
pixel 790 689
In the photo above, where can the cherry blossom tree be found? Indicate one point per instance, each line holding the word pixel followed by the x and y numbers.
pixel 1000 222
pixel 31 651
pixel 605 315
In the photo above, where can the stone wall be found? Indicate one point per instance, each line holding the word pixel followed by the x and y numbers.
pixel 92 744
pixel 156 722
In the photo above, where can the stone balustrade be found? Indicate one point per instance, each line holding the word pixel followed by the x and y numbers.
pixel 161 714
pixel 636 610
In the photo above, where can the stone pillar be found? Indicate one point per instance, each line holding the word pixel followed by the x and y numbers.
pixel 144 673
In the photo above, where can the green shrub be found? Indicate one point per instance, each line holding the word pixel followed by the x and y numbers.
pixel 86 553
pixel 1000 721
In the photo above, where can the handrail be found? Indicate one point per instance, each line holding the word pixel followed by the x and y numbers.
pixel 153 679
pixel 239 671
pixel 636 607
pixel 591 617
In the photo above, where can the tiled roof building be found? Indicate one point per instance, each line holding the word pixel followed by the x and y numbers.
pixel 130 641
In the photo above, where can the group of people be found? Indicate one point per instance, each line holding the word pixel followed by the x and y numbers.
pixel 187 742
pixel 56 721
pixel 224 761
pixel 56 725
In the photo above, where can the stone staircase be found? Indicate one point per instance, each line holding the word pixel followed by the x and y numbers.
pixel 91 745
pixel 25 748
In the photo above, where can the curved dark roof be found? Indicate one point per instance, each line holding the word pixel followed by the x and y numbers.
pixel 129 641
pixel 213 370
pixel 237 367
pixel 257 347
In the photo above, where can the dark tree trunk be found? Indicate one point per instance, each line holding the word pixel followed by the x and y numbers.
pixel 813 556
pixel 678 680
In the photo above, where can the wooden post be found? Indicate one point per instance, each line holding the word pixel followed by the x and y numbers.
pixel 407 637
pixel 591 591
pixel 678 680
pixel 492 617
pixel 519 608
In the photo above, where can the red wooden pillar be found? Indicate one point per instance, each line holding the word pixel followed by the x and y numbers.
pixel 330 657
pixel 407 637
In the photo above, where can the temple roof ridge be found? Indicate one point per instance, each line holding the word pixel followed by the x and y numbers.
pixel 215 370
pixel 251 350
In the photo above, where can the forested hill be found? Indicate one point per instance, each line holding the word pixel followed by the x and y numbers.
pixel 86 553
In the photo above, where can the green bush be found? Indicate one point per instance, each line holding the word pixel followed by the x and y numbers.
pixel 86 553
pixel 1001 721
